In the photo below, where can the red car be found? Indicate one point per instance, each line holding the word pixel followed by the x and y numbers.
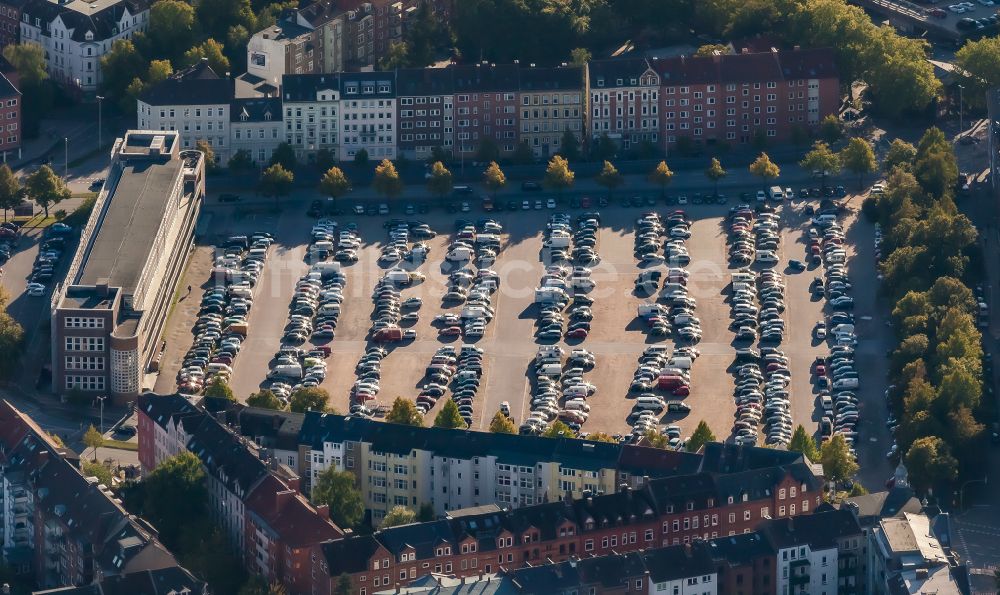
pixel 682 391
pixel 451 331
pixel 578 333
pixel 820 370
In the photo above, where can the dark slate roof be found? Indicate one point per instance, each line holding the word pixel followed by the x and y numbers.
pixel 422 537
pixel 226 456
pixel 256 109
pixel 162 408
pixel 303 87
pixel 656 462
pixel 99 16
pixel 820 530
pixel 757 483
pixel 197 85
pixel 718 457
pixel 609 71
pixel 7 88
pixel 869 508
pixel 561 78
pixel 747 68
pixel 166 581
pixel 349 555
pixel 614 510
pixel 737 550
pixel 678 491
pixel 320 12
pixel 550 578
pixel 673 563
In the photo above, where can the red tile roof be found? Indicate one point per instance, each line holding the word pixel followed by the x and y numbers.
pixel 747 68
pixel 288 514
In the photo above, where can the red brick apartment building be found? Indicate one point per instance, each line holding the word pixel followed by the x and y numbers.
pixel 668 511
pixel 713 99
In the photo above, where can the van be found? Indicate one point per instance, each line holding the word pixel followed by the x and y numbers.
pixel 845 384
pixel 681 362
pixel 287 371
pixel 550 370
pixel 577 405
pixel 677 407
pixel 776 193
pixel 649 404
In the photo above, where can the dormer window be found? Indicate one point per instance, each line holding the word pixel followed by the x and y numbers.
pixel 267 116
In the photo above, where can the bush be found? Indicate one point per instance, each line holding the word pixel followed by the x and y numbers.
pixel 869 208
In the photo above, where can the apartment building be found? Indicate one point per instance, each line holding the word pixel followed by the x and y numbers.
pixel 10 116
pixel 553 101
pixel 254 497
pixel 625 101
pixel 196 102
pixel 10 21
pixel 290 46
pixel 818 554
pixel 368 115
pixel 910 554
pixel 738 98
pixel 75 35
pixel 256 126
pixel 108 315
pixel 311 105
pixel 62 529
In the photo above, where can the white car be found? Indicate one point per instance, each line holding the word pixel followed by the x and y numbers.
pixel 551 203
pixel 36 289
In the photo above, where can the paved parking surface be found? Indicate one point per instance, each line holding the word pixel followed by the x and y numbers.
pixel 617 335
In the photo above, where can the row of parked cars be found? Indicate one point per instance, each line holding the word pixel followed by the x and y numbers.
pixel 462 369
pixel 221 326
pixel 658 370
pixel 368 372
pixel 559 391
pixel 50 253
pixel 836 375
pixel 473 242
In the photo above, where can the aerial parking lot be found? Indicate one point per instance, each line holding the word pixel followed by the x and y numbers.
pixel 400 295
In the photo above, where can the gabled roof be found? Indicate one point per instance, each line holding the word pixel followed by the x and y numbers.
pixel 674 563
pixel 740 549
pixel 197 85
pixel 256 109
pixel 296 522
pixel 747 67
pixel 719 457
pixel 101 17
pixel 871 507
pixel 349 555
pixel 161 409
pixel 606 73
pixel 165 581
pixel 819 530
pixel 227 457
pixel 560 78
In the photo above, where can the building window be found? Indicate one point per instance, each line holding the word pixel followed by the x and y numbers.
pixel 87 383
pixel 83 322
pixel 84 343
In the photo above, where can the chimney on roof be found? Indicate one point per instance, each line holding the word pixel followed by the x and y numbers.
pixel 323 510
pixel 687 550
pixel 744 50
pixel 101 287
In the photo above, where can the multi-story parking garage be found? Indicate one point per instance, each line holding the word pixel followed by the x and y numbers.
pixel 108 316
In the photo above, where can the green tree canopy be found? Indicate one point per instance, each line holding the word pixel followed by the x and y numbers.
pixel 929 463
pixel 559 430
pixel 838 462
pixel 764 168
pixel 46 188
pixel 449 417
pixel 11 193
pixel 661 176
pixel 93 439
pixel 569 146
pixel 702 434
pixel 441 181
pixel 265 399
pixel 11 338
pixel 822 160
pixel 558 176
pixel 119 67
pixel 501 424
pixel 175 495
pixel 802 442
pixel 206 148
pixel 334 183
pixel 387 181
pixel 276 181
pixel 241 161
pixel 219 388
pixel 831 128
pixel 858 157
pixel 28 59
pixel 609 177
pixel 523 155
pixel 978 69
pixel 398 515
pixel 337 490
pixel 488 150
pixel 95 469
pixel 654 439
pixel 900 153
pixel 309 399
pixel 494 178
pixel 171 27
pixel 714 173
pixel 404 412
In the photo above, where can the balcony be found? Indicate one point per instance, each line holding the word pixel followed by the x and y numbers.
pixel 798 579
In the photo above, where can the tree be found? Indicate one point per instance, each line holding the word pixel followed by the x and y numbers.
pixel 859 157
pixel 241 161
pixel 802 442
pixel 712 49
pixel 935 166
pixel 398 515
pixel 494 178
pixel 28 60
pixel 398 56
pixel 501 424
pixel 336 489
pixel 334 183
pixel 654 439
pixel 284 155
pixel 579 56
pixel 569 146
pixel 609 177
pixel 215 17
pixel 276 181
pixel 821 159
pixel 46 188
pixel 715 173
pixel 308 399
pixel 661 176
pixel 559 430
pixel 602 437
pixel 39 94
pixel 831 128
pixel 11 193
pixel 425 513
pixel 387 181
pixel 764 168
pixel 175 495
pixel 558 175
pixel 119 67
pixel 361 157
pixel 449 417
pixel 344 585
pixel 95 469
pixel 204 147
pixel 930 464
pixel 900 153
pixel 171 27
pixel 838 463
pixel 219 388
pixel 978 68
pixel 487 151
pixel 404 412
pixel 265 399
pixel 605 148
pixel 701 435
pixel 159 71
pixel 324 160
pixel 425 35
pixel 441 181
pixel 11 338
pixel 93 439
pixel 523 155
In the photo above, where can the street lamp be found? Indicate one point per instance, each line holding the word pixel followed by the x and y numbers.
pixel 101 401
pixel 65 157
pixel 961 118
pixel 100 127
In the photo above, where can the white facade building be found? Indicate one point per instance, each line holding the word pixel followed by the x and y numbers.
pixel 256 126
pixel 368 116
pixel 312 107
pixel 76 34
